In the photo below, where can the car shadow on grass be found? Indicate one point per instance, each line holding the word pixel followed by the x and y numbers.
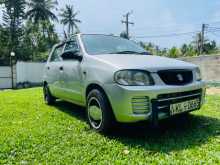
pixel 178 133
pixel 71 109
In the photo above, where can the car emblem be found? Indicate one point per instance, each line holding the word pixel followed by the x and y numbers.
pixel 180 77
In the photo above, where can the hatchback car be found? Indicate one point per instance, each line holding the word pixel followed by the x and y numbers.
pixel 117 80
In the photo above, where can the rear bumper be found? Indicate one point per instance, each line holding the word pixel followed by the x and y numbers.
pixel 121 99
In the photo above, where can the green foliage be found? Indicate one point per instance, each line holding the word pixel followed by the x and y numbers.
pixel 30 39
pixel 210 47
pixel 34 133
pixel 192 49
pixel 4 53
pixel 41 10
pixel 174 52
pixel 37 42
pixel 68 18
pixel 154 49
pixel 13 15
pixel 188 50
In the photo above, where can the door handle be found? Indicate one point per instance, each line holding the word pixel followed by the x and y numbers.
pixel 48 68
pixel 61 68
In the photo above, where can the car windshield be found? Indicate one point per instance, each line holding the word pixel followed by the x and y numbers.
pixel 106 44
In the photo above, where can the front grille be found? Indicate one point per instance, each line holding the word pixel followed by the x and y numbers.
pixel 140 105
pixel 176 77
pixel 165 100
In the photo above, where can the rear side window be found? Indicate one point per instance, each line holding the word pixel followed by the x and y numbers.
pixel 56 54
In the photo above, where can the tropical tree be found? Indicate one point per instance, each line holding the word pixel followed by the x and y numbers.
pixel 40 12
pixel 210 47
pixel 150 47
pixel 184 49
pixel 191 51
pixel 188 50
pixel 35 43
pixel 4 53
pixel 174 52
pixel 68 18
pixel 13 15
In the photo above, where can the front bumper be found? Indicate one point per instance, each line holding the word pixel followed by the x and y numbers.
pixel 121 99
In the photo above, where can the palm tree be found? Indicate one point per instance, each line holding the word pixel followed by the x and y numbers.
pixel 68 16
pixel 41 10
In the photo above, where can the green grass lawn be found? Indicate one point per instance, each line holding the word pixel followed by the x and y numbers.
pixel 34 133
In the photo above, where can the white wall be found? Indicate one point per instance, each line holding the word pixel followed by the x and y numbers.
pixel 5 77
pixel 5 71
pixel 29 71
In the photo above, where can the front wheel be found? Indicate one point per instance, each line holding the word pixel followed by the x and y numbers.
pixel 99 113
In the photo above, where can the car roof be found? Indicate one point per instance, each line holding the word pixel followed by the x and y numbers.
pixel 80 34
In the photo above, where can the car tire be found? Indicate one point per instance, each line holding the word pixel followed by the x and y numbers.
pixel 184 115
pixel 100 116
pixel 48 98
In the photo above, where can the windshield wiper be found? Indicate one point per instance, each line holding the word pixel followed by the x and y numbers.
pixel 130 52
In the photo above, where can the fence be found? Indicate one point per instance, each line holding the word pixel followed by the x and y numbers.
pixel 24 75
pixel 29 72
pixel 5 77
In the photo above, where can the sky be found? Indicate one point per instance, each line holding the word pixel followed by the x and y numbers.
pixel 151 18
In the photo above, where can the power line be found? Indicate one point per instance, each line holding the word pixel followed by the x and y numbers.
pixel 165 26
pixel 214 28
pixel 213 33
pixel 205 26
pixel 168 35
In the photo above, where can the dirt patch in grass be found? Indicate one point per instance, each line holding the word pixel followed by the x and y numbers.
pixel 213 91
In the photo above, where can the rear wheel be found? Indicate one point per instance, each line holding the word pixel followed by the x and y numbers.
pixel 48 98
pixel 99 113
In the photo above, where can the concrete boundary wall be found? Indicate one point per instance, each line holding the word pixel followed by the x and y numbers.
pixel 6 77
pixel 25 74
pixel 29 72
pixel 209 65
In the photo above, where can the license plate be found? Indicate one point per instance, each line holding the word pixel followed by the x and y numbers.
pixel 184 106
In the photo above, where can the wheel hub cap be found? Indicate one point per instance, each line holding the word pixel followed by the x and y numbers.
pixel 95 113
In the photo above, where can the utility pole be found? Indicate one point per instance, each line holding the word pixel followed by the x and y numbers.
pixel 127 23
pixel 204 26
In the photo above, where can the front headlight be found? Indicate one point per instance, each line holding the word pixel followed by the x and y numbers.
pixel 198 75
pixel 133 78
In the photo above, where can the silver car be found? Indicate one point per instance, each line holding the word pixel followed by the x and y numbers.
pixel 118 81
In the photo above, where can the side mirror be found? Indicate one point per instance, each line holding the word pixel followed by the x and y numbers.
pixel 71 55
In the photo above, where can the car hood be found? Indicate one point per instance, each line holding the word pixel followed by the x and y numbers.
pixel 150 62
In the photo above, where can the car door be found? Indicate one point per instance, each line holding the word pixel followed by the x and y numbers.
pixel 53 71
pixel 71 77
